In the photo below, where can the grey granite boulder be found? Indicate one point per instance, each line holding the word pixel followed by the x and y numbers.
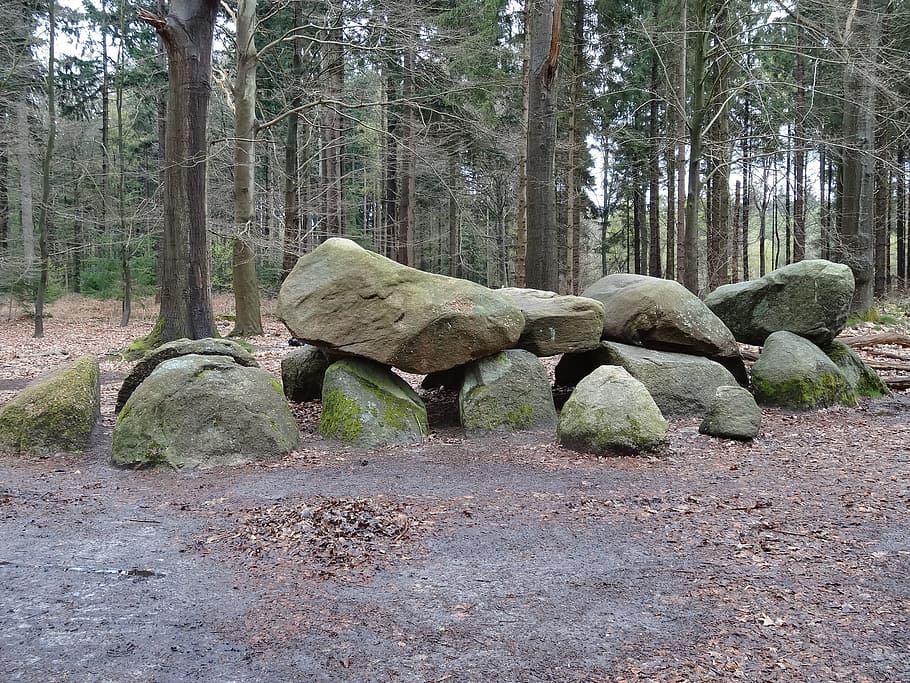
pixel 792 372
pixel 733 414
pixel 349 300
pixel 611 413
pixel 809 298
pixel 681 384
pixel 508 391
pixel 664 315
pixel 174 349
pixel 556 323
pixel 55 412
pixel 302 372
pixel 199 411
pixel 366 404
pixel 863 379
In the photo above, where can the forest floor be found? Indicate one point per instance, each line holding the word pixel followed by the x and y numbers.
pixel 499 559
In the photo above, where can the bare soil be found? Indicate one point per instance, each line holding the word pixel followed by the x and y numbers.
pixel 498 559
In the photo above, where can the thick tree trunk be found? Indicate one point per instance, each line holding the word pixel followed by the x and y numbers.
pixel 248 320
pixel 521 228
pixel 186 297
pixel 857 205
pixel 680 88
pixel 44 216
pixel 696 122
pixel 747 184
pixel 882 194
pixel 542 268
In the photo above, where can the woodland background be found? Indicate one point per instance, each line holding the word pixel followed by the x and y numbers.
pixel 544 144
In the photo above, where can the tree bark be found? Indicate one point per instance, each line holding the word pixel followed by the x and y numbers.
pixel 248 318
pixel 542 268
pixel 44 216
pixel 901 218
pixel 654 265
pixel 186 298
pixel 26 208
pixel 333 123
pixel 292 186
pixel 680 86
pixel 696 123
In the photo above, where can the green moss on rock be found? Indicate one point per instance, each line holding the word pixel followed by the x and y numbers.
pixel 340 417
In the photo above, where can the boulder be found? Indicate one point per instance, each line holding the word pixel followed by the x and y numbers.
pixel 733 414
pixel 302 372
pixel 556 323
pixel 200 411
pixel 55 412
pixel 174 349
pixel 350 300
pixel 508 391
pixel 863 379
pixel 808 298
pixel 681 384
pixel 664 315
pixel 611 413
pixel 792 372
pixel 366 404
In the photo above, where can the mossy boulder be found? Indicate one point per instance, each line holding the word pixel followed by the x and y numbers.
pixel 733 414
pixel 508 391
pixel 346 299
pixel 864 380
pixel 55 412
pixel 366 404
pixel 809 298
pixel 662 314
pixel 681 384
pixel 302 373
pixel 611 413
pixel 175 349
pixel 556 323
pixel 792 372
pixel 200 411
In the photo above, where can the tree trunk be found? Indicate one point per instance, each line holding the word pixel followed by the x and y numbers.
pixel 680 86
pixel 857 205
pixel 454 236
pixel 654 265
pixel 901 219
pixel 333 123
pixel 248 320
pixel 799 151
pixel 26 209
pixel 542 268
pixel 521 228
pixel 186 297
pixel 4 190
pixel 882 194
pixel 696 122
pixel 126 278
pixel 44 216
pixel 735 233
pixel 747 184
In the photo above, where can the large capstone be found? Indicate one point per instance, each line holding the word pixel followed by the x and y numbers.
pixel 556 323
pixel 55 412
pixel 664 315
pixel 353 301
pixel 366 404
pixel 733 414
pixel 809 298
pixel 681 384
pixel 508 391
pixel 792 372
pixel 203 411
pixel 181 347
pixel 611 413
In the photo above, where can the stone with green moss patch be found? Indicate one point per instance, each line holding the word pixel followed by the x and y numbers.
pixel 508 391
pixel 864 380
pixel 792 372
pixel 200 411
pixel 366 404
pixel 54 413
pixel 611 413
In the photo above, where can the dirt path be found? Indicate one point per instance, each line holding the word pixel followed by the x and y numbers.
pixel 506 559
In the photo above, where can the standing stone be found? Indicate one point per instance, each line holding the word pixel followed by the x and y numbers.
pixel 55 412
pixel 733 414
pixel 792 372
pixel 366 404
pixel 809 298
pixel 302 373
pixel 611 413
pixel 203 411
pixel 346 299
pixel 507 391
pixel 864 380
pixel 556 323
